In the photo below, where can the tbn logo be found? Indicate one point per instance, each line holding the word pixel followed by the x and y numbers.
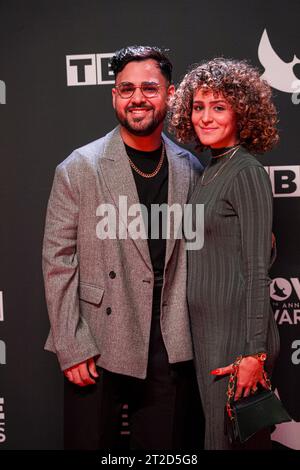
pixel 285 180
pixel 89 69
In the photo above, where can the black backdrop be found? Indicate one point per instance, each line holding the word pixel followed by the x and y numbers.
pixel 42 120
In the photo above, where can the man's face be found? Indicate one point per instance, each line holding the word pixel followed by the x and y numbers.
pixel 139 114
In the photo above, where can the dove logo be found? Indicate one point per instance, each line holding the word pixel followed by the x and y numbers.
pixel 278 74
pixel 281 289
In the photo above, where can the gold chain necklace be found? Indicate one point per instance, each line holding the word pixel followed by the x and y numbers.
pixel 220 169
pixel 154 173
pixel 226 152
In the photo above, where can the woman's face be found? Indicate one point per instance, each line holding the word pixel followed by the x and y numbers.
pixel 214 120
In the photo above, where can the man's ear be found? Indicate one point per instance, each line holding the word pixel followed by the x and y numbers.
pixel 170 94
pixel 113 94
pixel 171 91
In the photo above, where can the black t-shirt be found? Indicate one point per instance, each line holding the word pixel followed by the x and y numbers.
pixel 152 191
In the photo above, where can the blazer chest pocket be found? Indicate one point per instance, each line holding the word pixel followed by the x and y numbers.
pixel 91 294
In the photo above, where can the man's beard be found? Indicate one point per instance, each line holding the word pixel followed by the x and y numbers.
pixel 144 130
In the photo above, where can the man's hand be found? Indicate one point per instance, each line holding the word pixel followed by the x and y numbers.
pixel 81 374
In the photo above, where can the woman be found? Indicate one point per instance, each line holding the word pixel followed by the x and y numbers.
pixel 223 105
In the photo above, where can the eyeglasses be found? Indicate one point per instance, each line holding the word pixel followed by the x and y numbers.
pixel 149 90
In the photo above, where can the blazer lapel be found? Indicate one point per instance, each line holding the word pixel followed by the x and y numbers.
pixel 119 180
pixel 117 174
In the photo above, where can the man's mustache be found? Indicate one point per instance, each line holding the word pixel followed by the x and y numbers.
pixel 140 106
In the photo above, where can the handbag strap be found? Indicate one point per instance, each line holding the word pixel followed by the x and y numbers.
pixel 233 380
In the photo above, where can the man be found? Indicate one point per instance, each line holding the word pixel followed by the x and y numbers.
pixel 117 304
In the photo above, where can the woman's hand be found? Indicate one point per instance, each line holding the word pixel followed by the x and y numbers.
pixel 249 374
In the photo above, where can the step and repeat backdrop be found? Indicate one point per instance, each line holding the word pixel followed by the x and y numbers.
pixel 55 96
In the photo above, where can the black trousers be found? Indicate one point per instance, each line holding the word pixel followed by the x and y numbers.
pixel 164 409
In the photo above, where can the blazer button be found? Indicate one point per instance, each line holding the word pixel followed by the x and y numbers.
pixel 112 274
pixel 108 310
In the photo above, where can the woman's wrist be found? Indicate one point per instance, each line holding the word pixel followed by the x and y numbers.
pixel 261 356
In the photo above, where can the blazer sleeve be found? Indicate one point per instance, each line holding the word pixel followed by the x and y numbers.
pixel 251 197
pixel 72 340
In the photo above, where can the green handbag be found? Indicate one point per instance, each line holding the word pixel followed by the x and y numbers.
pixel 248 415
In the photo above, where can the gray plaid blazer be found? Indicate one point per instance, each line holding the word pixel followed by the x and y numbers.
pixel 99 292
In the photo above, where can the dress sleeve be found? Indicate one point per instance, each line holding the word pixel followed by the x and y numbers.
pixel 251 198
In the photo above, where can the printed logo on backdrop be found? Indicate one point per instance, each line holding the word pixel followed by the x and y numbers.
pixel 2 421
pixel 279 74
pixel 89 69
pixel 287 434
pixel 2 352
pixel 285 298
pixel 1 307
pixel 2 343
pixel 285 180
pixel 2 92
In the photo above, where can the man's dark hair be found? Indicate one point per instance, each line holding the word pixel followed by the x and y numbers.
pixel 128 54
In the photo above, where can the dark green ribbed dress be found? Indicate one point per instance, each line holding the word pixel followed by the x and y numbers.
pixel 228 282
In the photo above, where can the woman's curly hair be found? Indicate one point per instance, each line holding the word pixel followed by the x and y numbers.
pixel 241 85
